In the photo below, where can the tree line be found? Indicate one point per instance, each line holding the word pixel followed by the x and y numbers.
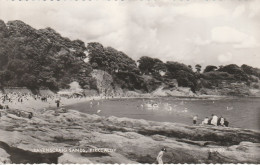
pixel 44 59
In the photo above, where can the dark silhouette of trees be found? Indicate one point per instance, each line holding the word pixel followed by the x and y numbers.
pixel 236 71
pixel 250 70
pixel 151 66
pixel 182 73
pixel 198 68
pixel 43 58
pixel 210 68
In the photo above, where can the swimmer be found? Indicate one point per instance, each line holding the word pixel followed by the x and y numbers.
pixel 229 108
pixel 185 110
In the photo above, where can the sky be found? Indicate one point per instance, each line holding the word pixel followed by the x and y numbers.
pixel 205 32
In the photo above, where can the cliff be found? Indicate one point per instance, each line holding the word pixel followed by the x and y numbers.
pixel 23 140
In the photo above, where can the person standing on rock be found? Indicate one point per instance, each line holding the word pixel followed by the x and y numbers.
pixel 195 118
pixel 160 155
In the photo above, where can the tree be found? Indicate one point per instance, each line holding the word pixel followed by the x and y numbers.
pixel 198 68
pixel 210 68
pixel 29 81
pixel 250 70
pixel 18 66
pixel 184 75
pixel 158 66
pixel 236 71
pixel 190 67
pixel 146 64
pixel 173 67
pixel 3 60
pixel 96 54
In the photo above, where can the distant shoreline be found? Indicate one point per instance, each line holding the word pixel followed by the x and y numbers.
pixel 36 105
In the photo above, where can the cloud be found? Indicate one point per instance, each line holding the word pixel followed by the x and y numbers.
pixel 254 8
pixel 228 35
pixel 201 10
pixel 239 10
pixel 199 41
pixel 226 57
pixel 184 31
pixel 250 42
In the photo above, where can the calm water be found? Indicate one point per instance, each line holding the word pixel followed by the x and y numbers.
pixel 240 112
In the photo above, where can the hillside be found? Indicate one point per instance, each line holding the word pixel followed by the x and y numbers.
pixel 43 59
pixel 40 58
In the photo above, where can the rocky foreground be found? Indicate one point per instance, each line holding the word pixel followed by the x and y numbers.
pixel 24 140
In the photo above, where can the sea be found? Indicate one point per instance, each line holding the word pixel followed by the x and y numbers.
pixel 240 112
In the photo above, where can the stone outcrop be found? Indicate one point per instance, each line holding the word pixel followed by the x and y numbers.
pixel 23 140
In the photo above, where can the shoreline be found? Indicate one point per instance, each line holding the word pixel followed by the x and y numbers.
pixel 132 140
pixel 38 104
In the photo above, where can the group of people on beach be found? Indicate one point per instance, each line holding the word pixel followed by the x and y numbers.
pixel 214 120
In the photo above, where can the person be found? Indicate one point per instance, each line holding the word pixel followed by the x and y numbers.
pixel 209 122
pixel 205 121
pixel 160 155
pixel 214 120
pixel 226 123
pixel 195 118
pixel 30 115
pixel 221 121
pixel 58 103
pixel 19 114
pixel 218 122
